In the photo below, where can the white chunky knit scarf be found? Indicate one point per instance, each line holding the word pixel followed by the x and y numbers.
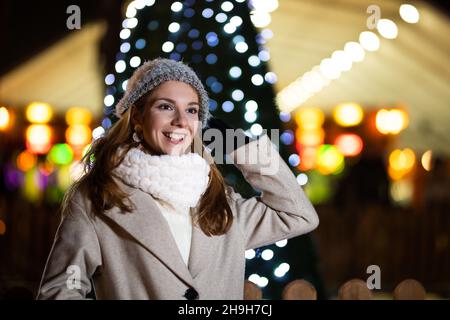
pixel 177 180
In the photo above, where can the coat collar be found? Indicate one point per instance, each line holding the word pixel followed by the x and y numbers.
pixel 148 227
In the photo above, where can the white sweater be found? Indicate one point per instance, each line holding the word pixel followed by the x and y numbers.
pixel 180 223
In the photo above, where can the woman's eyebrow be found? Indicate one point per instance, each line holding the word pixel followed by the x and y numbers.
pixel 173 101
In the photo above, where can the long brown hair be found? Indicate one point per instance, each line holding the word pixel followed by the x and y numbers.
pixel 213 214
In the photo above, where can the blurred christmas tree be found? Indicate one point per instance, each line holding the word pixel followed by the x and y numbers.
pixel 218 39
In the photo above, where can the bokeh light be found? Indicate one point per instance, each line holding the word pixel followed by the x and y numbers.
pixel 309 118
pixel 26 160
pixel 76 115
pixel 401 162
pixel 401 191
pixel 349 144
pixel 348 114
pixel 61 154
pixel 319 188
pixel 391 121
pixel 4 118
pixel 426 160
pixel 38 138
pixel 387 28
pixel 308 157
pixel 369 41
pixel 39 112
pixel 78 135
pixel 409 13
pixel 330 160
pixel 310 137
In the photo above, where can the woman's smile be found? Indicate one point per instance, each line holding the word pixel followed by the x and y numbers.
pixel 175 138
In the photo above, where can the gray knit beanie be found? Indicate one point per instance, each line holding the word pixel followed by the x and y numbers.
pixel 153 73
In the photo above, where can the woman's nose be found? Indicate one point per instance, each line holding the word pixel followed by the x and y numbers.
pixel 180 119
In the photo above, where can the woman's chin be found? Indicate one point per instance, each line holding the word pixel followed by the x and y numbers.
pixel 174 150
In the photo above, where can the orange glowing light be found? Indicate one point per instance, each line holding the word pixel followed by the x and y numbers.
pixel 26 160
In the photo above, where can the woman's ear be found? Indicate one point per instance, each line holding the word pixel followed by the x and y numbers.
pixel 136 116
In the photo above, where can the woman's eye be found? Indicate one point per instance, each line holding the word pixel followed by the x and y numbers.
pixel 165 107
pixel 193 110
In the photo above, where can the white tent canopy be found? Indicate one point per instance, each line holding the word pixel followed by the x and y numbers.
pixel 66 74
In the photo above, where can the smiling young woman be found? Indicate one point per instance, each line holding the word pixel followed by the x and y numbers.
pixel 168 118
pixel 152 218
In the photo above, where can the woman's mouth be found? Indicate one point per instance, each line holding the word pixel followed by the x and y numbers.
pixel 174 138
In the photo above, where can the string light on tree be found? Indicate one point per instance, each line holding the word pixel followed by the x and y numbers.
pixel 281 270
pixel 250 254
pixel 281 243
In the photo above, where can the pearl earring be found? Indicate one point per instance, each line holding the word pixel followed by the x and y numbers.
pixel 136 137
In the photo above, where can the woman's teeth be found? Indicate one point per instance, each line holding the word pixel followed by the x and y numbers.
pixel 175 137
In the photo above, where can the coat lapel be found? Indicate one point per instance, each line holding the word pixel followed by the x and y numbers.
pixel 203 250
pixel 148 227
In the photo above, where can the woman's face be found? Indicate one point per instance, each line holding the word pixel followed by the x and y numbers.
pixel 170 118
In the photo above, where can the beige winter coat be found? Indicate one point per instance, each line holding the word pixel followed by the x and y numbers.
pixel 134 255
